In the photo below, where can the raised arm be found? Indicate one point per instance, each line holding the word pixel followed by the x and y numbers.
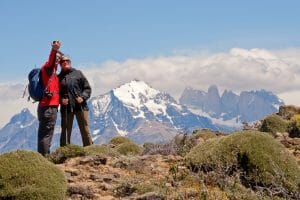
pixel 52 57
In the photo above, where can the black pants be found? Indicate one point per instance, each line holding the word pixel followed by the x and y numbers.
pixel 82 117
pixel 47 118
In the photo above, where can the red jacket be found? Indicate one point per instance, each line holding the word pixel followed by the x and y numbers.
pixel 47 69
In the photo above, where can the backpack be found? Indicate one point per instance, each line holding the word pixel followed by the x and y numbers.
pixel 35 86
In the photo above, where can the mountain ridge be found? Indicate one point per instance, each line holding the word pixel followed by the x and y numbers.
pixel 135 110
pixel 248 106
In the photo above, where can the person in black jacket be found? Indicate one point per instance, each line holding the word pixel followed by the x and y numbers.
pixel 74 91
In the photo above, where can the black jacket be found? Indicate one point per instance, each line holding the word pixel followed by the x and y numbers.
pixel 72 84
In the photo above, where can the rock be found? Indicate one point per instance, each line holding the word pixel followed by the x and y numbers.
pixel 295 141
pixel 93 160
pixel 168 185
pixel 72 172
pixel 107 179
pixel 116 175
pixel 279 135
pixel 121 164
pixel 85 191
pixel 105 187
pixel 96 177
pixel 124 190
pixel 107 197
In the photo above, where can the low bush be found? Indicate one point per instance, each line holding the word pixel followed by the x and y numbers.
pixel 294 126
pixel 256 158
pixel 102 150
pixel 28 175
pixel 129 148
pixel 61 154
pixel 205 134
pixel 125 146
pixel 273 124
pixel 184 143
pixel 119 140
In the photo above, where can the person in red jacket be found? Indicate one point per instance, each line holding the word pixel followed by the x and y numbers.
pixel 47 108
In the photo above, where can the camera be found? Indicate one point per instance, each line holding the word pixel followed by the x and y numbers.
pixel 48 94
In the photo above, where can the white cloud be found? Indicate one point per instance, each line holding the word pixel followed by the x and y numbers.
pixel 239 69
pixel 11 101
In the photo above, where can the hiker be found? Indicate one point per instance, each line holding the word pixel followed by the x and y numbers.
pixel 75 90
pixel 47 108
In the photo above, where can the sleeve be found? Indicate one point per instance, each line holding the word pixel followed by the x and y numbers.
pixel 50 64
pixel 86 88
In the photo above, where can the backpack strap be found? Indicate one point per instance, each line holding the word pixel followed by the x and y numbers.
pixel 50 80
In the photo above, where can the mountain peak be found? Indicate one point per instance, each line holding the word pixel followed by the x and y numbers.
pixel 132 92
pixel 23 117
pixel 25 111
pixel 213 91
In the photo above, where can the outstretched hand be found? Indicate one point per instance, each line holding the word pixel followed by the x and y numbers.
pixel 56 45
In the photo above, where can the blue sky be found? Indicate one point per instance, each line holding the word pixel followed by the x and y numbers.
pixel 97 31
pixel 234 44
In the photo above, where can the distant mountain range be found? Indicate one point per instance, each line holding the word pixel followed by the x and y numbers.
pixel 230 108
pixel 145 114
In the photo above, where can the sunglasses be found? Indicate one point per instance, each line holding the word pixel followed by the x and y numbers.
pixel 64 61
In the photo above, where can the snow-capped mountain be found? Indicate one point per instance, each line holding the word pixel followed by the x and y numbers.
pixel 135 110
pixel 145 114
pixel 229 108
pixel 20 132
pixel 136 106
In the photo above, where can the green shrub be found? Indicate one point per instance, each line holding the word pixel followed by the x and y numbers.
pixel 101 150
pixel 61 154
pixel 294 126
pixel 184 143
pixel 238 191
pixel 273 124
pixel 119 140
pixel 205 134
pixel 129 148
pixel 28 175
pixel 257 157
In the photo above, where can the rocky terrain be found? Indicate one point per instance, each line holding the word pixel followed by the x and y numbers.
pixel 163 175
pixel 259 162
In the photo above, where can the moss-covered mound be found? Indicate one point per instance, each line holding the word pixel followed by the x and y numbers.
pixel 125 146
pixel 119 140
pixel 61 154
pixel 129 148
pixel 256 158
pixel 206 134
pixel 101 150
pixel 28 175
pixel 274 123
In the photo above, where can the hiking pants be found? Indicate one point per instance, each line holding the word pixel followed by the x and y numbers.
pixel 47 118
pixel 82 117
